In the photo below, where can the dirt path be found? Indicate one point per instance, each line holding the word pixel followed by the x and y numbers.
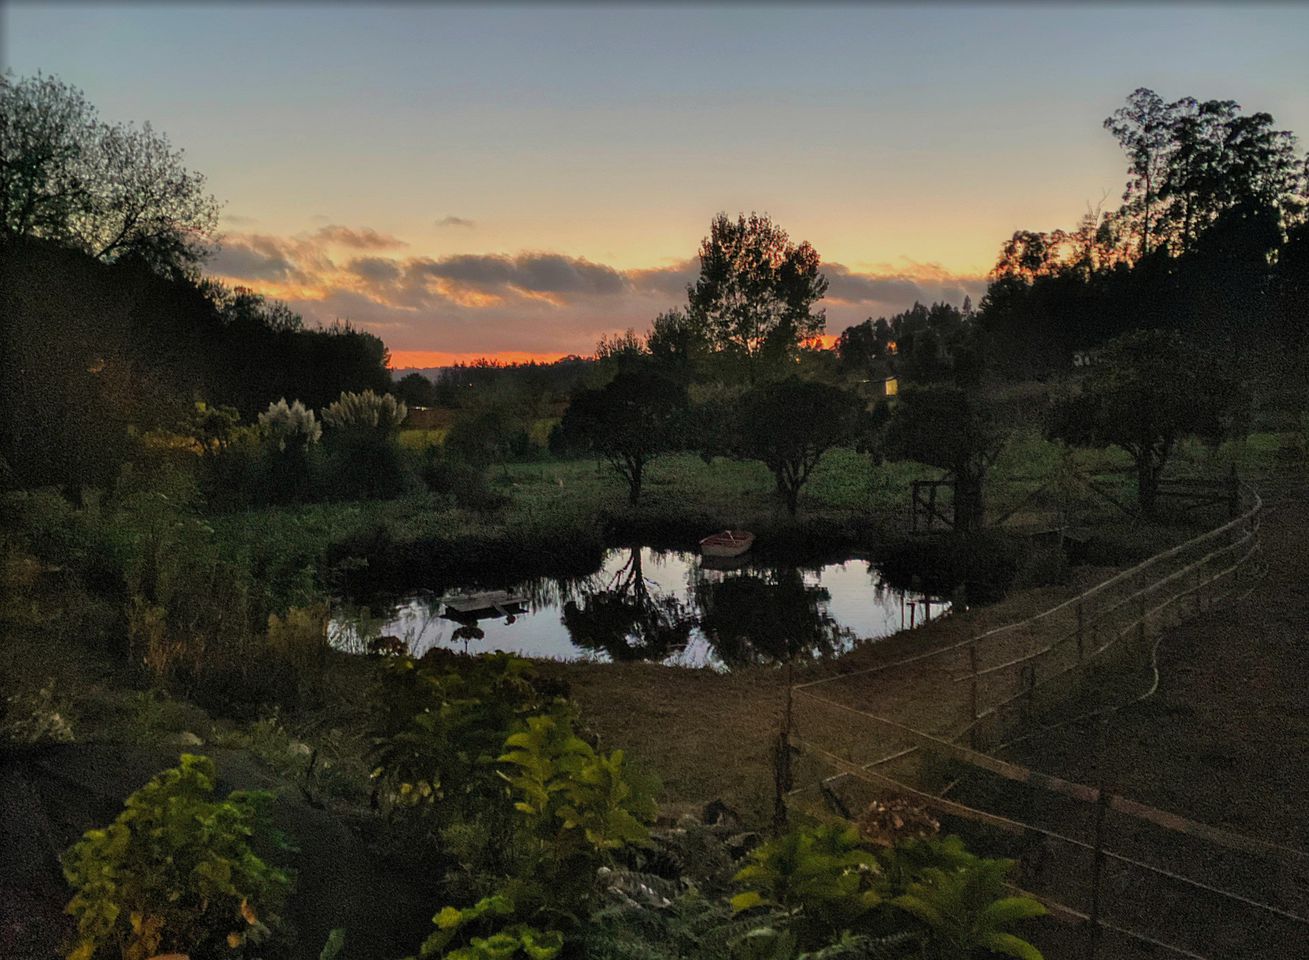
pixel 710 736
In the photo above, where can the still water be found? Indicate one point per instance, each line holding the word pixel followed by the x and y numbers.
pixel 665 606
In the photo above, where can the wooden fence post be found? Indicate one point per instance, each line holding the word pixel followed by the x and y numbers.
pixel 1081 633
pixel 1233 494
pixel 1140 620
pixel 972 661
pixel 782 779
pixel 1097 872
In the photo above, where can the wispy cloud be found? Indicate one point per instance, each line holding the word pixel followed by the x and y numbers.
pixel 452 221
pixel 362 238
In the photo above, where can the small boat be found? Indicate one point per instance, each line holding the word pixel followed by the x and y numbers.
pixel 729 543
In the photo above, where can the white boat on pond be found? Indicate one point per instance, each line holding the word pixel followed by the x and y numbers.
pixel 728 543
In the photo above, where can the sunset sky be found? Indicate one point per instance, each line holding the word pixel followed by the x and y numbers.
pixel 518 180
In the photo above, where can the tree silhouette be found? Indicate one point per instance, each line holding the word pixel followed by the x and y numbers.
pixel 415 390
pixel 950 428
pixel 1143 128
pixel 113 191
pixel 789 425
pixel 756 291
pixel 749 618
pixel 1147 390
pixel 626 620
pixel 631 420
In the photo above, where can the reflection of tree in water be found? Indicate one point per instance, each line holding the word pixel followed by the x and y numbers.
pixel 625 620
pixel 768 617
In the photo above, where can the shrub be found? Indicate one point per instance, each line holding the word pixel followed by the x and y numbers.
pixel 959 900
pixel 440 722
pixel 510 941
pixel 364 456
pixel 823 878
pixel 289 426
pixel 176 872
pixel 463 481
pixel 297 642
pixel 822 886
pixel 365 412
pixel 289 433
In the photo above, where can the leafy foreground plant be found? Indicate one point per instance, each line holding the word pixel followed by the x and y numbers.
pixel 176 872
pixel 556 856
pixel 574 809
pixel 439 725
pixel 819 894
pixel 820 883
pixel 509 942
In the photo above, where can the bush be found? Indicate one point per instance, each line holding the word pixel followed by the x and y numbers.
pixel 176 872
pixel 207 621
pixel 364 457
pixel 821 885
pixel 440 721
pixel 465 483
pixel 365 413
pixel 289 432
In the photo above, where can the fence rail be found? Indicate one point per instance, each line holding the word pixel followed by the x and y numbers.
pixel 955 702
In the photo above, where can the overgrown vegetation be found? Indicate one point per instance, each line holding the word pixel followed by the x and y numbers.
pixel 177 872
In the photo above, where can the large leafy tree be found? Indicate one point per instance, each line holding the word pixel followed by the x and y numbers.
pixel 111 190
pixel 630 421
pixel 950 428
pixel 1147 391
pixel 1191 162
pixel 756 291
pixel 789 425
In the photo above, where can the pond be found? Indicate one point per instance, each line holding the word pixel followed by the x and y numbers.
pixel 642 604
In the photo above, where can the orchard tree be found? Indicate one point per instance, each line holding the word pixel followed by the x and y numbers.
pixel 111 190
pixel 630 421
pixel 950 428
pixel 1147 391
pixel 756 291
pixel 789 425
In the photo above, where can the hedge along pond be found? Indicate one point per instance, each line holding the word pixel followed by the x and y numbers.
pixel 670 607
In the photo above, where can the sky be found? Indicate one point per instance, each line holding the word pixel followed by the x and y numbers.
pixel 515 181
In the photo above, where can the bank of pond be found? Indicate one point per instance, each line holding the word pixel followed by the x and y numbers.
pixel 642 603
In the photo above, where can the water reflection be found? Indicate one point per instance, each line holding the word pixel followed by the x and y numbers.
pixel 641 604
pixel 772 616
pixel 627 619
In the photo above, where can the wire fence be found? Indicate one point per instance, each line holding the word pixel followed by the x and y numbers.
pixel 926 729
